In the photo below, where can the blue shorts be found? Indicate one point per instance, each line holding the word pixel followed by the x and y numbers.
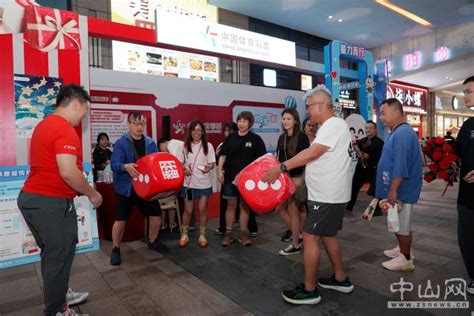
pixel 196 193
pixel 229 191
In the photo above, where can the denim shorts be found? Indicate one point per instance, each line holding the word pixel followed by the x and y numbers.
pixel 196 193
pixel 229 191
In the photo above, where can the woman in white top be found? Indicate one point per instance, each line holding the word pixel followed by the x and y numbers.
pixel 198 158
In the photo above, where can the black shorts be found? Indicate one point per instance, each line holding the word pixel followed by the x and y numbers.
pixel 124 206
pixel 324 219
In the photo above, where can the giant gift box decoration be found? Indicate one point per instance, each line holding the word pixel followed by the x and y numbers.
pixel 260 196
pixel 161 175
pixel 22 61
pixel 48 28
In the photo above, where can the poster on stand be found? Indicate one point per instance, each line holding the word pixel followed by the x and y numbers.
pixel 17 244
pixel 112 119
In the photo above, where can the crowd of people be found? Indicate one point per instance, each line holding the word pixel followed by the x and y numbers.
pixel 332 166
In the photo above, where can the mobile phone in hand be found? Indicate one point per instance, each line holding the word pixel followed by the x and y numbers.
pixel 203 168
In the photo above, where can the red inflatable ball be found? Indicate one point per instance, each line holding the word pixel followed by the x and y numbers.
pixel 260 196
pixel 161 175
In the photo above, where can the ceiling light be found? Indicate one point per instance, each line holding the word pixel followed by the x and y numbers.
pixel 405 13
pixel 340 20
pixel 330 17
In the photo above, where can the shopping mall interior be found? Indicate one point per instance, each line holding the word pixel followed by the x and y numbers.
pixel 177 61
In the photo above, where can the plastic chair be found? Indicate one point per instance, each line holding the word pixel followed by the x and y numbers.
pixel 171 203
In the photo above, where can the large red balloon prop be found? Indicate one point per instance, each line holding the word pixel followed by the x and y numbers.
pixel 260 196
pixel 161 175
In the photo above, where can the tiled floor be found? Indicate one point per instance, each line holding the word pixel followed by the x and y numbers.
pixel 244 281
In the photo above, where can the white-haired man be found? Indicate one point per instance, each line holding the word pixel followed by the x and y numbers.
pixel 330 162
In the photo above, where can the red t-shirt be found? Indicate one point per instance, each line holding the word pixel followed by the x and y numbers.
pixel 53 136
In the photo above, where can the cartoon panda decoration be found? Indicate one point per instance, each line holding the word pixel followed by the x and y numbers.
pixel 369 84
pixel 356 124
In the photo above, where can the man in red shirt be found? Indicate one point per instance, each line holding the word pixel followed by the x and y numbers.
pixel 46 200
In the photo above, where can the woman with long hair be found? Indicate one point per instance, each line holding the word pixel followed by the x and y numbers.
pixel 198 159
pixel 290 143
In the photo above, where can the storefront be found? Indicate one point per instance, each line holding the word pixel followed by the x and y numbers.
pixel 450 113
pixel 414 100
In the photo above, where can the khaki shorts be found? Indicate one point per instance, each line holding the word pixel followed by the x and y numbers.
pixel 404 217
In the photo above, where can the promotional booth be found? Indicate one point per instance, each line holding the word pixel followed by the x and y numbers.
pixel 51 50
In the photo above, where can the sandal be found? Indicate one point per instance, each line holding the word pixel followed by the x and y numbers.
pixel 244 239
pixel 202 241
pixel 227 240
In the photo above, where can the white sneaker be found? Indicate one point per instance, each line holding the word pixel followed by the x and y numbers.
pixel 74 298
pixel 393 253
pixel 400 263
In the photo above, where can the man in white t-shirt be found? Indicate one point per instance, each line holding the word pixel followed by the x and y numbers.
pixel 330 163
pixel 170 146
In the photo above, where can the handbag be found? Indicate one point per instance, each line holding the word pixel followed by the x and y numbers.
pixel 393 222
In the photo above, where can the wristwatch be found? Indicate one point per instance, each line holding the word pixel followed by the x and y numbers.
pixel 283 168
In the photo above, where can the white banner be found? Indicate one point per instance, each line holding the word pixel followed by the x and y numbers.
pixel 207 36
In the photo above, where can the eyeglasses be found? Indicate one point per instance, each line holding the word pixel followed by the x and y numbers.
pixel 314 103
pixel 197 131
pixel 138 124
pixel 468 91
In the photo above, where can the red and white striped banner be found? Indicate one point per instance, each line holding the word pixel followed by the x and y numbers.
pixel 18 57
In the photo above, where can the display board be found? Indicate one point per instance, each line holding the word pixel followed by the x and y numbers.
pixel 17 245
pixel 164 62
pixel 185 100
pixel 158 61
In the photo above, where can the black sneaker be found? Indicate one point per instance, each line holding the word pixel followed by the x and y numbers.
pixel 253 234
pixel 219 232
pixel 115 257
pixel 287 236
pixel 470 288
pixel 290 250
pixel 333 284
pixel 299 295
pixel 158 246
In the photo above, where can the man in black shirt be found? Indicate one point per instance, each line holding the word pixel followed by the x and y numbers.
pixel 127 150
pixel 465 151
pixel 370 150
pixel 239 150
